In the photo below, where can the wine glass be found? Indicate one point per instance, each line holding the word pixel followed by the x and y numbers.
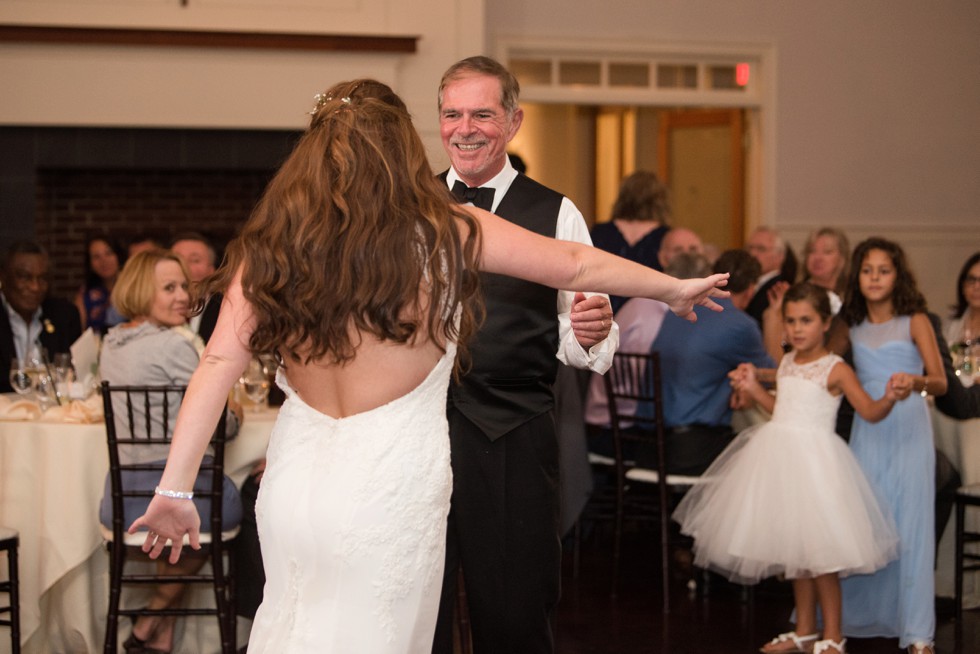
pixel 63 374
pixel 44 389
pixel 20 378
pixel 255 382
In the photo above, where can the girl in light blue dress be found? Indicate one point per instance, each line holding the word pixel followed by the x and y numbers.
pixel 890 331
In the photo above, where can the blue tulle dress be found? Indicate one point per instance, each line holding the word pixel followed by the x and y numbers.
pixel 898 457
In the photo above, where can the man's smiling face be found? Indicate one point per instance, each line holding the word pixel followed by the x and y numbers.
pixel 475 127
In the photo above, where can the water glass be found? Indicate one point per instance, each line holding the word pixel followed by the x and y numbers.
pixel 20 378
pixel 63 373
pixel 44 390
pixel 255 383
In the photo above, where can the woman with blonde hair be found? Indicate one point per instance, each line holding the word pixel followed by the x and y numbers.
pixel 154 348
pixel 359 272
pixel 825 261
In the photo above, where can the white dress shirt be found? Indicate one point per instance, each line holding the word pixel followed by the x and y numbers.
pixel 571 227
pixel 25 334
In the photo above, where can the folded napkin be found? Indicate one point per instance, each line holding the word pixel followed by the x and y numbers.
pixel 82 411
pixel 20 410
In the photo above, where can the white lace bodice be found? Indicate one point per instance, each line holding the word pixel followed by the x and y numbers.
pixel 801 392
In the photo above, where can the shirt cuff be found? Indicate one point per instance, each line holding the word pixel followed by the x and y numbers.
pixel 598 358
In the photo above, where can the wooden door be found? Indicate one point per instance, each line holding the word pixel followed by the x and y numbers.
pixel 701 158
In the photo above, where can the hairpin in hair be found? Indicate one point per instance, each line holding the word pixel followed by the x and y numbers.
pixel 320 99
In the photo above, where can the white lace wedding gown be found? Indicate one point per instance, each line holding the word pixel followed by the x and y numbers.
pixel 352 522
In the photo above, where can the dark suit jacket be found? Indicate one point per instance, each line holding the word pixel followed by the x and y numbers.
pixel 760 301
pixel 209 317
pixel 65 328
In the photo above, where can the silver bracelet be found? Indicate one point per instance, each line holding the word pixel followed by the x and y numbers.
pixel 177 495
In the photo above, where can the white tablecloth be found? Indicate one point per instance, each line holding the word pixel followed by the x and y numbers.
pixel 51 481
pixel 960 441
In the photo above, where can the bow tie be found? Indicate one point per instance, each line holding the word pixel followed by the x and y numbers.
pixel 480 196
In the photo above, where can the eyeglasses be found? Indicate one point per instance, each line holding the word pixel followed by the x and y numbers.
pixel 970 280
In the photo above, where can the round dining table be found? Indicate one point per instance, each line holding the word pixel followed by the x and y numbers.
pixel 52 475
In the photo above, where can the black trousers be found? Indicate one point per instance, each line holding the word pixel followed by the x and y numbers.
pixel 503 535
pixel 249 572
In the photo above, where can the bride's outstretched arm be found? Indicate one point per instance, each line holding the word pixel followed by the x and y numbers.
pixel 224 359
pixel 512 250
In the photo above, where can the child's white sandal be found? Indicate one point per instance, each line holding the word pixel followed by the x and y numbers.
pixel 799 642
pixel 825 645
pixel 920 647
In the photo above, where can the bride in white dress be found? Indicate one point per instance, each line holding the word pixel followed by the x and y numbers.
pixel 358 271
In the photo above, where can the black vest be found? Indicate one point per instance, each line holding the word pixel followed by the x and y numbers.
pixel 513 354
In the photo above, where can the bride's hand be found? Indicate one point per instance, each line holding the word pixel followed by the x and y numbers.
pixel 693 292
pixel 169 519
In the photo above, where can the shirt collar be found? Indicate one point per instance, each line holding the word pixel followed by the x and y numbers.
pixel 500 182
pixel 765 277
pixel 13 315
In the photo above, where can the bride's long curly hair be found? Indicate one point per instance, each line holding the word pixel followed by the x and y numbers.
pixel 354 236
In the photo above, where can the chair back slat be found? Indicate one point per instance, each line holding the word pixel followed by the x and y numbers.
pixel 142 416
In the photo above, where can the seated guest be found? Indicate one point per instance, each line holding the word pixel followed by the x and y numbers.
pixel 695 359
pixel 142 243
pixel 962 330
pixel 639 321
pixel 778 265
pixel 200 258
pixel 103 261
pixel 29 317
pixel 154 348
pixel 678 240
pixel 638 223
pixel 826 256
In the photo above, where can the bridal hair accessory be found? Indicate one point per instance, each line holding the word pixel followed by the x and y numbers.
pixel 321 99
pixel 177 495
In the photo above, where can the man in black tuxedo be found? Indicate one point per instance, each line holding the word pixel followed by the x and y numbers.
pixel 29 317
pixel 778 265
pixel 503 531
pixel 200 259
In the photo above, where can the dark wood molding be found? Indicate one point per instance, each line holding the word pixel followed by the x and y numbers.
pixel 207 39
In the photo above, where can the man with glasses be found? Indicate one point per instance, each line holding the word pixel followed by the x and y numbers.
pixel 29 318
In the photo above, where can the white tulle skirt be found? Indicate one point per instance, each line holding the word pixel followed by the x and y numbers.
pixel 790 500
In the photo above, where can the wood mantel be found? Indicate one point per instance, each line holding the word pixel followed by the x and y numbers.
pixel 207 39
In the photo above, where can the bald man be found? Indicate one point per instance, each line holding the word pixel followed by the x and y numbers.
pixel 679 240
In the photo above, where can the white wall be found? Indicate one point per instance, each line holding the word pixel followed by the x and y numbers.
pixel 876 107
pixel 876 101
pixel 157 86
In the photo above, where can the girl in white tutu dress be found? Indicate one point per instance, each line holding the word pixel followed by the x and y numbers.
pixel 788 497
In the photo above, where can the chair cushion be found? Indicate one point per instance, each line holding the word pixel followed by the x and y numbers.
pixel 648 476
pixel 970 491
pixel 7 533
pixel 137 539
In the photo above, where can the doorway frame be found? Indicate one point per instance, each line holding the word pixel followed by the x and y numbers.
pixel 758 100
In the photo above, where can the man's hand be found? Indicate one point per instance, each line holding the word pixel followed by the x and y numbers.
pixel 592 318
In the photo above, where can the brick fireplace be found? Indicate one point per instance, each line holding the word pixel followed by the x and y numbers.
pixel 62 185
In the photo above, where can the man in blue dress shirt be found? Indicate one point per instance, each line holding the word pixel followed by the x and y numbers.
pixel 695 359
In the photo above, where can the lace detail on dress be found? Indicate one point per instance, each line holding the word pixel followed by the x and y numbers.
pixel 352 517
pixel 816 371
